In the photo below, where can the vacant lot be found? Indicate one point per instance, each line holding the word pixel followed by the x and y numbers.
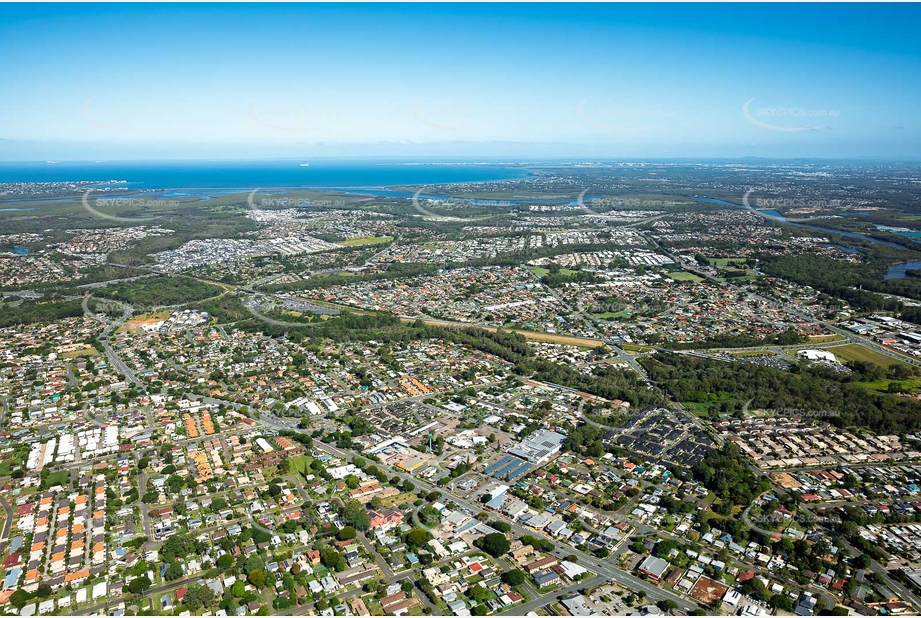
pixel 366 240
pixel 824 338
pixel 723 262
pixel 628 347
pixel 84 351
pixel 683 276
pixel 882 386
pixel 136 323
pixel 540 271
pixel 527 334
pixel 608 315
pixel 857 352
pixel 299 465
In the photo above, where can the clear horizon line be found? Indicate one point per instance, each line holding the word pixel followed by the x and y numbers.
pixel 471 159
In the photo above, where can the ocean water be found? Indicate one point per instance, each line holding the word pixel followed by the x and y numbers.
pixel 249 175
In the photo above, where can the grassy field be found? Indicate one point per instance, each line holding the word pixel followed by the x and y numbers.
pixel 722 262
pixel 366 240
pixel 398 499
pixel 57 478
pixel 627 347
pixel 608 315
pixel 527 334
pixel 683 276
pixel 883 385
pixel 857 352
pixel 85 351
pixel 297 465
pixel 825 338
pixel 323 303
pixel 561 339
pixel 698 408
pixel 540 271
pixel 753 353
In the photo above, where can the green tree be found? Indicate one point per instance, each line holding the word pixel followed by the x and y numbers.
pixel 174 571
pixel 19 598
pixel 346 533
pixel 139 585
pixel 256 577
pixel 331 559
pixel 666 605
pixel 418 537
pixel 254 562
pixel 494 544
pixel 515 577
pixel 177 546
pixel 199 596
pixel 501 526
pixel 356 515
pixel 782 602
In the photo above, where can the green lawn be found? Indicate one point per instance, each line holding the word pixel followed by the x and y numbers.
pixel 366 240
pixel 297 465
pixel 857 352
pixel 540 271
pixel 684 276
pixel 883 385
pixel 608 315
pixel 61 477
pixel 699 408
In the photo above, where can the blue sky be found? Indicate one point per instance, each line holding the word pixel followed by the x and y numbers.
pixel 510 80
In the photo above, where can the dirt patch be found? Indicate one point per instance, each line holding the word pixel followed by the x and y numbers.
pixel 137 323
pixel 708 591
